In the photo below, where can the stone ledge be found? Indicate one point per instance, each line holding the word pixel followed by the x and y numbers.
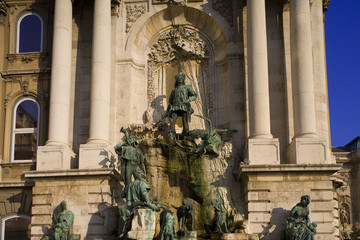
pixel 16 184
pixel 74 173
pixel 249 169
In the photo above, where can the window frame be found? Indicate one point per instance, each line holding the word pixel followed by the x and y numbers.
pixel 6 217
pixel 14 131
pixel 17 30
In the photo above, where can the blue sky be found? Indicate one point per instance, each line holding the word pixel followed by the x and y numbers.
pixel 342 36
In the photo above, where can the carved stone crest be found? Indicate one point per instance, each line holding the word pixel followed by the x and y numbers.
pixel 133 13
pixel 179 42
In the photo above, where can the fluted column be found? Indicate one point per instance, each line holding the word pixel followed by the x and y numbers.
pixel 100 73
pixel 302 69
pixel 60 74
pixel 259 106
pixel 57 153
pixel 262 147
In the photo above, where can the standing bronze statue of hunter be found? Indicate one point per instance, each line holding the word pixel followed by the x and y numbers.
pixel 179 104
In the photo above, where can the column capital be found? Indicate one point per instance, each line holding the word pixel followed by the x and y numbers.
pixel 115 5
pixel 326 4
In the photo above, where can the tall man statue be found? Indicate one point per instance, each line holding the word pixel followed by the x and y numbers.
pixel 130 157
pixel 179 104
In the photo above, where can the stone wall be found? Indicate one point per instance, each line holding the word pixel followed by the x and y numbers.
pixel 85 192
pixel 272 191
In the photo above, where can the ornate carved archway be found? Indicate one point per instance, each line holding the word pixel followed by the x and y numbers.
pixel 180 48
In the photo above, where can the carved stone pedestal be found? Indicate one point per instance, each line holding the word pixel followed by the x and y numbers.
pixel 142 225
pixel 260 149
pixel 96 156
pixel 309 150
pixel 54 157
pixel 233 236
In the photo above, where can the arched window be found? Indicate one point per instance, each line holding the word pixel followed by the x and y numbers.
pixel 25 129
pixel 29 33
pixel 15 227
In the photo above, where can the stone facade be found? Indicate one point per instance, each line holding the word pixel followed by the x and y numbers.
pixel 107 64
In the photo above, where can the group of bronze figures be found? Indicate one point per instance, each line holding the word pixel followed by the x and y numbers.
pixel 136 191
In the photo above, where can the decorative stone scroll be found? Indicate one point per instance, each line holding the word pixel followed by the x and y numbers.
pixel 225 8
pixel 133 13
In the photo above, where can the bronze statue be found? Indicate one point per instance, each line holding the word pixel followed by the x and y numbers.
pixel 132 159
pixel 184 214
pixel 167 226
pixel 63 223
pixel 179 104
pixel 219 223
pixel 137 196
pixel 298 225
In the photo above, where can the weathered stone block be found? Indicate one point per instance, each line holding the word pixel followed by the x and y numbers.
pixel 42 199
pixel 41 219
pixel 42 209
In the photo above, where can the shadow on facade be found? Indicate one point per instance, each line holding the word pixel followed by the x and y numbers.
pixel 276 228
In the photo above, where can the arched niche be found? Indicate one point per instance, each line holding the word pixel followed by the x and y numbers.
pixel 172 40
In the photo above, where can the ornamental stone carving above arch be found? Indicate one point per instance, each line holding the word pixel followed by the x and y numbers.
pixel 133 12
pixel 180 42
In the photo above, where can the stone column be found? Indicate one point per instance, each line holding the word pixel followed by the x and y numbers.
pixel 98 141
pixel 57 153
pixel 302 69
pixel 263 149
pixel 100 73
pixel 306 146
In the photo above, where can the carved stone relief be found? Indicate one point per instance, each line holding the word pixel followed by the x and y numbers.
pixel 178 42
pixel 225 8
pixel 25 85
pixel 175 2
pixel 133 13
pixel 342 188
pixel 179 49
pixel 115 5
pixel 3 7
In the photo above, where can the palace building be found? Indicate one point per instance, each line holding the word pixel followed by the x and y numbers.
pixel 74 72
